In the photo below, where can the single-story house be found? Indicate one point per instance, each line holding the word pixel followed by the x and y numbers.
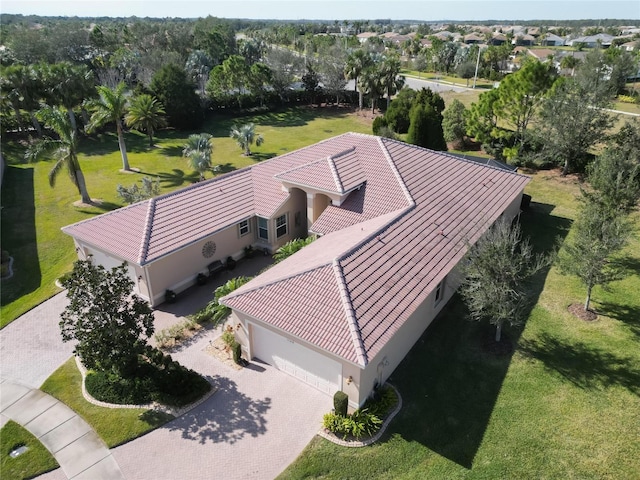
pixel 552 40
pixel 393 221
pixel 592 41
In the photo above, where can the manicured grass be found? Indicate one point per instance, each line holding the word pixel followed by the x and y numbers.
pixel 114 425
pixel 35 461
pixel 33 212
pixel 566 404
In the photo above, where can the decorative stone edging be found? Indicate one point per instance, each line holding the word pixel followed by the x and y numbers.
pixel 363 443
pixel 176 412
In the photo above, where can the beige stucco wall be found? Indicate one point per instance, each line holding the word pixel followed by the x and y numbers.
pixel 178 270
pixel 108 260
pixel 295 205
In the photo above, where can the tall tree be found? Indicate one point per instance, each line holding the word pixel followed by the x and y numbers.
pixel 198 150
pixel 198 68
pixel 245 136
pixel 178 96
pixel 482 118
pixel 599 234
pixel 425 128
pixel 63 149
pixel 370 84
pixel 111 106
pixel 496 271
pixel 69 85
pixel 357 62
pixel 572 120
pixel 454 123
pixel 24 88
pixel 111 326
pixel 520 94
pixel 146 114
pixel 392 81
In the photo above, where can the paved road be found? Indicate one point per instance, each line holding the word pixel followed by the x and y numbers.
pixel 417 84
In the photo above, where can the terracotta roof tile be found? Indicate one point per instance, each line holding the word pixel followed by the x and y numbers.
pixel 383 251
pixel 442 202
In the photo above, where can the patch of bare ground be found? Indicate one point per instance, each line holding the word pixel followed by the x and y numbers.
pixel 222 352
pixel 577 310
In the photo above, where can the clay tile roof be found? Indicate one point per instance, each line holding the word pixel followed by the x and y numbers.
pixel 385 267
pixel 337 173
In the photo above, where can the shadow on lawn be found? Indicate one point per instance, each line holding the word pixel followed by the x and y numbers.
pixel 175 178
pixel 583 365
pixel 19 233
pixel 234 416
pixel 448 382
pixel 626 313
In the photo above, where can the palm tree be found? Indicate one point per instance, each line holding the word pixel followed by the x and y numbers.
pixel 146 113
pixel 63 150
pixel 216 310
pixel 245 135
pixel 569 61
pixel 392 81
pixel 370 83
pixel 110 107
pixel 357 62
pixel 198 150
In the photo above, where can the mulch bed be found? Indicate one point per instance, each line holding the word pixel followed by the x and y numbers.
pixel 577 310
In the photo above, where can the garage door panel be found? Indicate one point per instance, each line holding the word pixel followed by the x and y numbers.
pixel 297 360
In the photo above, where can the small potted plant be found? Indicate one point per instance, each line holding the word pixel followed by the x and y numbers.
pixel 201 279
pixel 231 263
pixel 170 296
pixel 249 251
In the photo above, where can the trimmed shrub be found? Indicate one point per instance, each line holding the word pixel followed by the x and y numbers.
pixel 378 123
pixel 340 403
pixel 111 388
pixel 237 353
pixel 228 337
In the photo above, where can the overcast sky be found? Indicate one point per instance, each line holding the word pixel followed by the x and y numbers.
pixel 334 10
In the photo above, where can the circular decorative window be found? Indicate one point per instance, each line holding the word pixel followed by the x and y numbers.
pixel 208 249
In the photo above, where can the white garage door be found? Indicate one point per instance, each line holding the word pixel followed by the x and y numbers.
pixel 307 365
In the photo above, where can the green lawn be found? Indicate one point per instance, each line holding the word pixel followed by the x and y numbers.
pixel 33 212
pixel 34 461
pixel 566 404
pixel 114 425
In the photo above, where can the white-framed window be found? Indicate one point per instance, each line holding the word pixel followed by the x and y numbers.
pixel 263 229
pixel 440 291
pixel 281 225
pixel 244 228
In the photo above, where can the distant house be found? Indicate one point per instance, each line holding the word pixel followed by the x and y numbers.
pixel 524 40
pixel 592 41
pixel 473 38
pixel 497 39
pixel 552 40
pixel 631 46
pixel 393 222
pixel 364 36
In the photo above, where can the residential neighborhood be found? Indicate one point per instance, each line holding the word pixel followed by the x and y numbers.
pixel 273 245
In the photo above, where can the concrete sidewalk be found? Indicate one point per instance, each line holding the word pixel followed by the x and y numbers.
pixel 76 447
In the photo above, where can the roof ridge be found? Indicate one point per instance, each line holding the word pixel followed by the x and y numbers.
pixel 334 174
pixel 144 246
pixel 354 331
pixel 105 214
pixel 300 167
pixel 396 173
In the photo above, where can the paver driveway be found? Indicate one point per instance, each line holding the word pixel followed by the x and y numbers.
pixel 255 425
